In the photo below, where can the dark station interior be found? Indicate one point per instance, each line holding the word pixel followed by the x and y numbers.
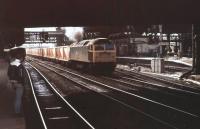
pixel 147 103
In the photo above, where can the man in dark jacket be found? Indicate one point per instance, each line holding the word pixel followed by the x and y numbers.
pixel 15 74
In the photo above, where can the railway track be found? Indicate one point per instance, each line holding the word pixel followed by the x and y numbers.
pixel 169 83
pixel 185 101
pixel 174 118
pixel 163 84
pixel 173 95
pixel 167 67
pixel 54 110
pixel 111 120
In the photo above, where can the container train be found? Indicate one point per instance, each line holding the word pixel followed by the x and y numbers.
pixel 98 55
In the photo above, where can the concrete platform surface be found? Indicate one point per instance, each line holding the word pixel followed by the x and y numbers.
pixel 195 77
pixel 184 60
pixel 8 119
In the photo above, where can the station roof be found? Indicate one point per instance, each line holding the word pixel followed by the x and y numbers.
pixel 36 13
pixel 45 13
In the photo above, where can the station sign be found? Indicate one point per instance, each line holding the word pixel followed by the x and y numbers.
pixel 163 43
pixel 139 40
pixel 143 39
pixel 174 43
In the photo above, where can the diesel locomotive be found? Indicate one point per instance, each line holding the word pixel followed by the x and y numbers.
pixel 97 55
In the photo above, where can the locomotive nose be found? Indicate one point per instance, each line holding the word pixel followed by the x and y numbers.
pixel 105 56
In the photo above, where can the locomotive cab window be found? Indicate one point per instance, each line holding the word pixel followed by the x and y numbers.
pixel 85 43
pixel 109 46
pixel 99 47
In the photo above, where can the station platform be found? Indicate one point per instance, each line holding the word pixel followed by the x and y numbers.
pixel 8 119
pixel 185 62
pixel 195 77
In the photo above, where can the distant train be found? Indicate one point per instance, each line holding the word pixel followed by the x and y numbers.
pixel 98 54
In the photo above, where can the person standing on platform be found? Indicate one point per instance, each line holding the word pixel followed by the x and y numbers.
pixel 16 77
